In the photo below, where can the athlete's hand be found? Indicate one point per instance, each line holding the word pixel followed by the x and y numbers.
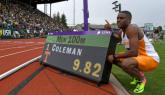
pixel 107 26
pixel 110 58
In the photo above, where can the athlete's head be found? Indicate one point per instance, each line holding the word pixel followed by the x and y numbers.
pixel 124 19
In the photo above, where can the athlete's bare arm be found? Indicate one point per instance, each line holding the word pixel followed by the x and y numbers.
pixel 132 34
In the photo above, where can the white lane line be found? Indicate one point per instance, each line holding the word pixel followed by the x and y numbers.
pixel 19 42
pixel 6 74
pixel 18 47
pixel 19 52
pixel 22 42
pixel 5 41
pixel 41 42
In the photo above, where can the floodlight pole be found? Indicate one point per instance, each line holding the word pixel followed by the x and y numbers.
pixel 45 9
pixel 50 9
pixel 86 15
pixel 74 13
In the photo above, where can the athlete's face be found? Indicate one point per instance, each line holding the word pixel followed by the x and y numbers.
pixel 122 20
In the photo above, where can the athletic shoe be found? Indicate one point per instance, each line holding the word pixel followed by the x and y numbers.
pixel 139 88
pixel 134 81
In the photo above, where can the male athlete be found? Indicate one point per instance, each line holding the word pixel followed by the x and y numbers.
pixel 140 55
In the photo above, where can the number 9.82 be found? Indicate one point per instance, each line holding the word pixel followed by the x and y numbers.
pixel 89 68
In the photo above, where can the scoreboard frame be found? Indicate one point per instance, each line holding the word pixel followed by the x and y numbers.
pixel 78 61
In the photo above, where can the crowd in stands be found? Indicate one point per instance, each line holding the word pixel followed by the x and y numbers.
pixel 23 19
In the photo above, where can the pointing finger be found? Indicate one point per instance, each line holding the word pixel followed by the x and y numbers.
pixel 107 22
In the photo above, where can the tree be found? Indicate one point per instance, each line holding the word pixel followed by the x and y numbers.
pixel 63 20
pixel 58 17
pixel 54 17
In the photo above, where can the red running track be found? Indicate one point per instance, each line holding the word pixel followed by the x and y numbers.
pixel 16 52
pixel 53 82
pixel 9 83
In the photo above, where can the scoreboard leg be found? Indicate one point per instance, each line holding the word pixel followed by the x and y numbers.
pixel 108 66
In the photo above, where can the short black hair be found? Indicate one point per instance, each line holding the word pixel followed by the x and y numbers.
pixel 127 13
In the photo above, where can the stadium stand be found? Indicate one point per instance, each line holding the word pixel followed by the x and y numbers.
pixel 21 19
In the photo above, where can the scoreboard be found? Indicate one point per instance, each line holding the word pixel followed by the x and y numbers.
pixel 80 53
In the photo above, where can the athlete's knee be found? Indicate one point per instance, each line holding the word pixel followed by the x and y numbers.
pixel 127 64
pixel 124 65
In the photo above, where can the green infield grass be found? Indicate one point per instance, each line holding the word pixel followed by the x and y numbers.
pixel 155 79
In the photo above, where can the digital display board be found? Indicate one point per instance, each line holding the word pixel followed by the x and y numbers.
pixel 82 55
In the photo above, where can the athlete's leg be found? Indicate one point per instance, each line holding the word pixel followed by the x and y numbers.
pixel 130 65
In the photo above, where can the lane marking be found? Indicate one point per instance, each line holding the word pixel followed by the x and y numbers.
pixel 19 42
pixel 19 87
pixel 22 42
pixel 18 47
pixel 5 41
pixel 18 52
